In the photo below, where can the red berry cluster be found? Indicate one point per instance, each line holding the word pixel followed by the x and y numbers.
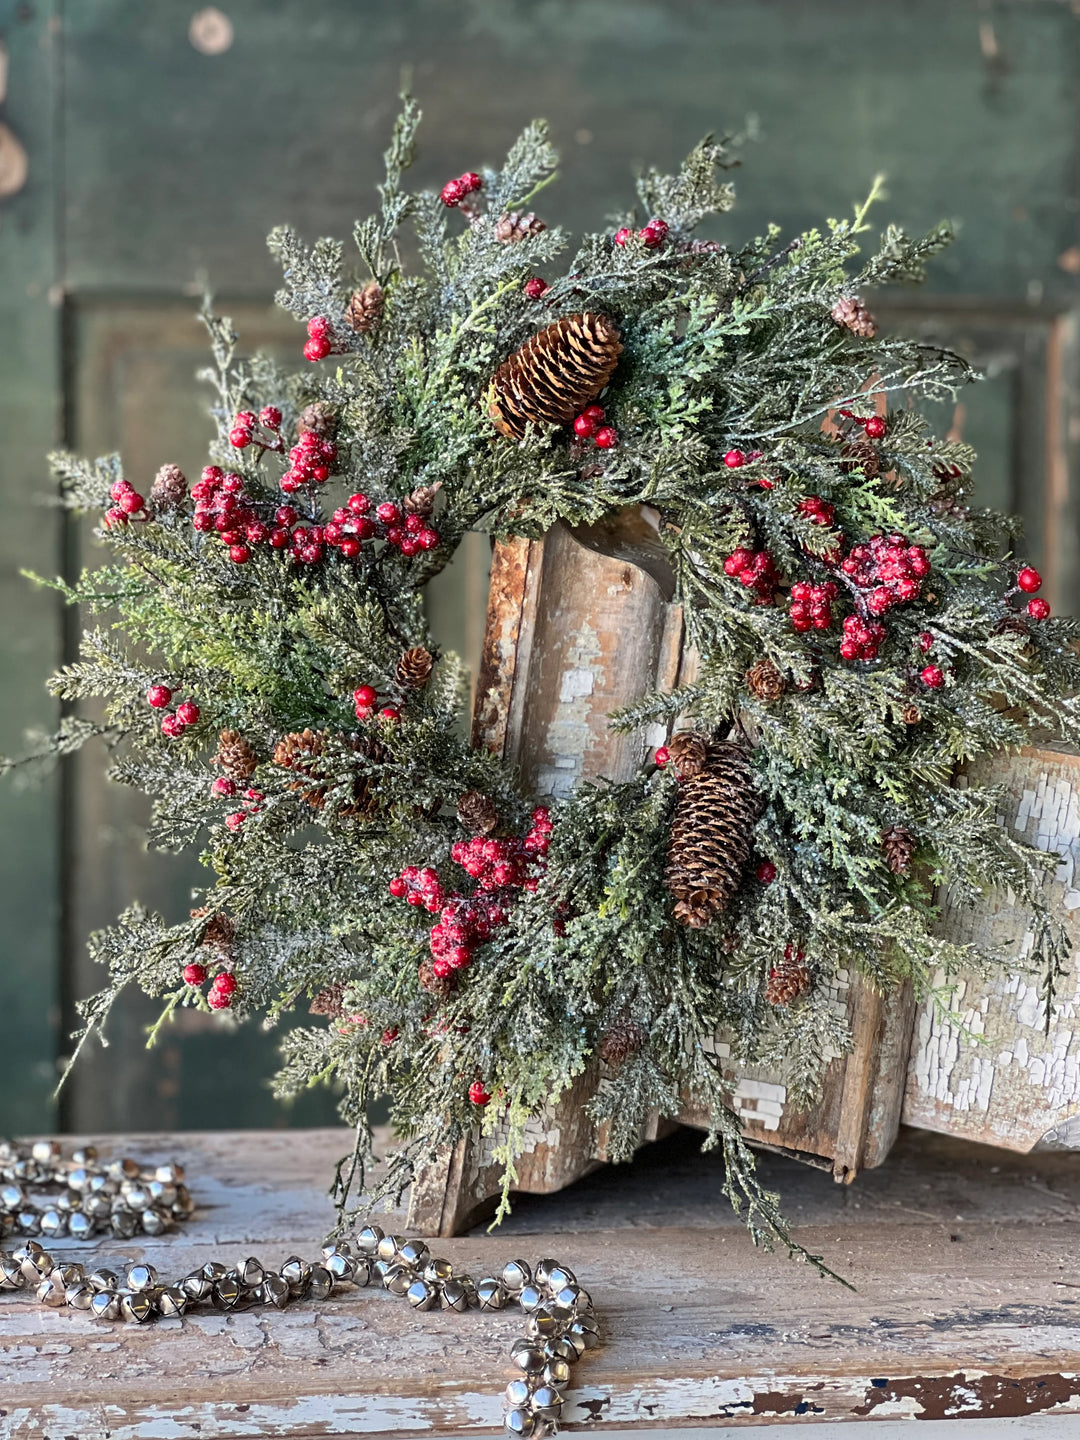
pixel 754 569
pixel 889 569
pixel 252 802
pixel 1029 580
pixel 535 288
pixel 365 698
pixel 589 425
pixel 499 867
pixel 311 461
pixel 811 605
pixel 126 502
pixel 320 339
pixel 222 990
pixel 652 236
pixel 353 523
pixel 267 423
pixel 454 191
pixel 176 722
pixel 862 638
pixel 817 510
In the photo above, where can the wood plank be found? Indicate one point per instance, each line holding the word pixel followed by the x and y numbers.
pixel 966 1305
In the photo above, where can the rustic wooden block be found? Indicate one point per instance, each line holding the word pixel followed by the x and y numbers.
pixel 983 1063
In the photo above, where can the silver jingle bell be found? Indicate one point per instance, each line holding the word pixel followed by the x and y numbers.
pixel 105 1305
pixel 274 1291
pixel 519 1422
pixel 121 1170
pixel 171 1301
pixel 138 1307
pixel 170 1174
pixel 296 1273
pixel 36 1262
pixel 97 1206
pixel 104 1279
pixel 227 1293
pixel 543 1272
pixel 518 1393
pixel 368 1239
pixel 586 1333
pixel 214 1270
pixel 565 1347
pixel 362 1271
pixel 183 1205
pixel 250 1272
pixel 341 1267
pixel 53 1223
pixel 515 1276
pixel 337 1247
pixel 422 1296
pixel 491 1294
pixel 197 1286
pixel 84 1155
pixel 559 1276
pixel 530 1298
pixel 556 1373
pixel 135 1196
pixel 153 1222
pixel 67 1201
pixel 414 1253
pixel 163 1196
pixel 457 1293
pixel 389 1247
pixel 546 1403
pixel 50 1294
pixel 528 1357
pixel 320 1283
pixel 124 1224
pixel 12 1197
pixel 141 1277
pixel 543 1325
pixel 398 1279
pixel 81 1296
pixel 29 1222
pixel 45 1152
pixel 80 1225
pixel 11 1273
pixel 68 1274
pixel 437 1272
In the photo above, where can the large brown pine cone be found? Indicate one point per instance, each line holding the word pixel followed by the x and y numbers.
pixel 364 310
pixel 477 813
pixel 554 375
pixel 518 225
pixel 789 978
pixel 320 417
pixel 235 756
pixel 853 315
pixel 305 755
pixel 711 831
pixel 899 845
pixel 169 490
pixel 764 681
pixel 414 668
pixel 622 1039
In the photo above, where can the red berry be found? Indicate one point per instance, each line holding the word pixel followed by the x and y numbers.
pixel 734 459
pixel 279 539
pixel 318 327
pixel 350 549
pixel 365 695
pixel 120 489
pixel 607 437
pixel 240 435
pixel 316 349
pixel 875 427
pixel 409 545
pixel 223 786
pixel 359 504
pixel 188 713
pixel 584 427
pixel 452 193
pixel 662 755
pixel 225 983
pixel 428 539
pixel 172 727
pixel 654 234
pixel 765 872
pixel 390 712
pixel 1039 609
pixel 159 696
pixel 194 974
pixel 477 1094
pixel 389 1035
pixel 926 641
pixel 536 288
pixel 131 502
pixel 623 236
pixel 738 561
pixel 270 416
pixel 236 819
pixel 458 957
pixel 1029 579
pixel 388 513
pixel 933 677
pixel 414 524
pixel 395 535
pixel 849 649
pixel 594 412
pixel 398 887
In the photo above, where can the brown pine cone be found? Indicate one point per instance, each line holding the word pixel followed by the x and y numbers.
pixel 235 756
pixel 365 308
pixel 320 418
pixel 440 985
pixel 304 754
pixel 329 1001
pixel 764 681
pixel 413 670
pixel 220 931
pixel 689 752
pixel 789 978
pixel 911 715
pixel 853 315
pixel 860 455
pixel 711 831
pixel 518 225
pixel 899 845
pixel 622 1039
pixel 169 490
pixel 1012 625
pixel 422 500
pixel 554 375
pixel 476 813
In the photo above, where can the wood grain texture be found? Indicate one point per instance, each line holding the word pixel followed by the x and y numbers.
pixel 966 1306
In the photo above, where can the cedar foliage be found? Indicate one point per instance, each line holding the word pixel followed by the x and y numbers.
pixel 724 347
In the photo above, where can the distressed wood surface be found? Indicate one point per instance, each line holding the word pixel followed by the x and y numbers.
pixel 968 1304
pixel 983 1065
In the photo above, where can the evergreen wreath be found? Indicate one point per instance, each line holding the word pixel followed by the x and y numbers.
pixel 861 631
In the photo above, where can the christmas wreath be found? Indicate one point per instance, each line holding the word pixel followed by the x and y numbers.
pixel 860 630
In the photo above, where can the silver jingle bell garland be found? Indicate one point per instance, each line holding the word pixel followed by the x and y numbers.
pixel 560 1324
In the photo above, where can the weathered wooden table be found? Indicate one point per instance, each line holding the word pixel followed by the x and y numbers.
pixel 967 1304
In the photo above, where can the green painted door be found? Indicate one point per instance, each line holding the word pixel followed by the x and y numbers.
pixel 143 144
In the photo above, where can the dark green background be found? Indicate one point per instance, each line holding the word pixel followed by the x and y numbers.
pixel 150 162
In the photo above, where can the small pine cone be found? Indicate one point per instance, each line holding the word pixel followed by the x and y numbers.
pixel 853 315
pixel 518 225
pixel 899 845
pixel 422 500
pixel 235 756
pixel 439 985
pixel 689 752
pixel 789 978
pixel 711 832
pixel 329 1001
pixel 220 931
pixel 319 417
pixel 554 375
pixel 303 753
pixel 860 455
pixel 476 813
pixel 622 1039
pixel 364 310
pixel 1012 625
pixel 764 681
pixel 413 670
pixel 911 715
pixel 169 490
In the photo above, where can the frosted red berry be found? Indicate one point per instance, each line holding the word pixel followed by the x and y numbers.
pixel 194 974
pixel 239 554
pixel 235 820
pixel 188 713
pixel 606 438
pixel 172 727
pixel 159 696
pixel 223 786
pixel 735 459
pixel 239 436
pixel 662 755
pixel 654 234
pixel 1039 609
pixel 876 427
pixel 1029 579
pixel 926 641
pixel 270 417
pixel 584 427
pixel 933 677
pixel 399 887
pixel 391 713
pixel 623 236
pixel 452 193
pixel 131 502
pixel 477 1094
pixel 316 349
pixel 535 288
pixel 765 873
